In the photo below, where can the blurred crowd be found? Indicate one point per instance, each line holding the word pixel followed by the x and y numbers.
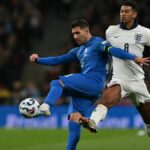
pixel 22 24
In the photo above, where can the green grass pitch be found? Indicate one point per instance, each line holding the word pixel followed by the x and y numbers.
pixel 46 139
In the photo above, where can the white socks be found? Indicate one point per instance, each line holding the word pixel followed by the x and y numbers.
pixel 44 109
pixel 99 113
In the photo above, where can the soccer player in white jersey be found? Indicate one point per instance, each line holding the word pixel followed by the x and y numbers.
pixel 128 77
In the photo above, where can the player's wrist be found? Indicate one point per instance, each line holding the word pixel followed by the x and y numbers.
pixel 138 60
pixel 135 57
pixel 36 60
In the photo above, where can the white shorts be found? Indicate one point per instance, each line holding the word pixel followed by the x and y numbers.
pixel 136 87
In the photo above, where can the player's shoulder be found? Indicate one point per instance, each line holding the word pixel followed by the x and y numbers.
pixel 98 40
pixel 112 28
pixel 111 31
pixel 143 29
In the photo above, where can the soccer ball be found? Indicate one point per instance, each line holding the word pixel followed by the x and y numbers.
pixel 29 108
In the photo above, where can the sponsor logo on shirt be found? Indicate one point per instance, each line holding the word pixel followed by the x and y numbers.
pixel 116 36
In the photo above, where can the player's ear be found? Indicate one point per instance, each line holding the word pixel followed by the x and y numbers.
pixel 87 30
pixel 135 15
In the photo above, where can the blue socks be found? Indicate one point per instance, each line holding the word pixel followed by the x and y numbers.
pixel 54 93
pixel 74 135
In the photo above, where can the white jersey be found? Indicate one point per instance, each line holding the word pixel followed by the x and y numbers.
pixel 132 41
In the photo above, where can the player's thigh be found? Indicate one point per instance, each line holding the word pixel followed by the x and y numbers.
pixel 80 84
pixel 80 105
pixel 111 95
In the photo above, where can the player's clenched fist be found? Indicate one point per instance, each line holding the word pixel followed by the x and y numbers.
pixel 34 57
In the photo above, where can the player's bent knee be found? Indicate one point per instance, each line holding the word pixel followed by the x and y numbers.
pixel 75 117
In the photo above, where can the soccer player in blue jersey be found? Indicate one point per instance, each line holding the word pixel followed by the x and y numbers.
pixel 85 87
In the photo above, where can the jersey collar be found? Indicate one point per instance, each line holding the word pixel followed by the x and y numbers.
pixel 88 42
pixel 122 26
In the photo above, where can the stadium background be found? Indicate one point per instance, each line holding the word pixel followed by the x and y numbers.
pixel 42 26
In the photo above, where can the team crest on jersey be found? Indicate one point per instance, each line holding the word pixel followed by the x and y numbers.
pixel 138 37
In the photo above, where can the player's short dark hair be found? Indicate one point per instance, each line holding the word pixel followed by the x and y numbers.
pixel 80 23
pixel 130 3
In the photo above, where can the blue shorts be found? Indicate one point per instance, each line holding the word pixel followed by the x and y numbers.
pixel 82 105
pixel 82 84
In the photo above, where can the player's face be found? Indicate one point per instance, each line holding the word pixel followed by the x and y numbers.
pixel 127 14
pixel 80 35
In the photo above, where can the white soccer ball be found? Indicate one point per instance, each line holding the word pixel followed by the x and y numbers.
pixel 29 108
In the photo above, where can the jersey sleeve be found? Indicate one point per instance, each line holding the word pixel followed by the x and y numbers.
pixel 63 59
pixel 117 52
pixel 114 51
pixel 106 47
pixel 103 44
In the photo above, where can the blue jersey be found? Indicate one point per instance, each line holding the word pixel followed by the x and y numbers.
pixel 90 55
pixel 92 58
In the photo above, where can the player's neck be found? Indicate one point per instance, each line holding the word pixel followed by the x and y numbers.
pixel 89 37
pixel 128 26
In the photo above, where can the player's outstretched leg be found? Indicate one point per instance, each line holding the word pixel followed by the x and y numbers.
pixel 88 124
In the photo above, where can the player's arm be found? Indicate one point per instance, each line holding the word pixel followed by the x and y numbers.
pixel 106 47
pixel 117 52
pixel 50 61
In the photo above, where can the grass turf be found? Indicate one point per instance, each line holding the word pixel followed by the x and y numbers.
pixel 46 139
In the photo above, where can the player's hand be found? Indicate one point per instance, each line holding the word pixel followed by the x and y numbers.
pixel 34 57
pixel 143 61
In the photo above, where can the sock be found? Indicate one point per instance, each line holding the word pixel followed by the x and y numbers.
pixel 148 129
pixel 147 125
pixel 54 93
pixel 99 113
pixel 74 135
